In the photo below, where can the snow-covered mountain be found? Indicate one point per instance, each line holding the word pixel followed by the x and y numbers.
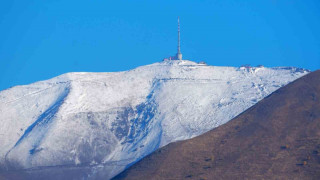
pixel 100 123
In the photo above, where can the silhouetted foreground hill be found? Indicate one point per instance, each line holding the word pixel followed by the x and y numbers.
pixel 278 138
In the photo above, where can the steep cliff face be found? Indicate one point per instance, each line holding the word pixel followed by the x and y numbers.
pixel 278 138
pixel 97 124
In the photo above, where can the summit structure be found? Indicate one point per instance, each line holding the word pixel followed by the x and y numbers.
pixel 178 56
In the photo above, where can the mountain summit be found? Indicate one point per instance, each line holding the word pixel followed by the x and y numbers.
pixel 97 124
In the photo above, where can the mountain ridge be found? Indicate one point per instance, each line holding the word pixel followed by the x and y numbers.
pixel 107 121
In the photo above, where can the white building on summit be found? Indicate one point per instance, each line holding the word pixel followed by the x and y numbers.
pixel 178 56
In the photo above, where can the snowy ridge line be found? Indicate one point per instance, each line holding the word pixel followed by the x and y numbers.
pixel 52 86
pixel 183 65
pixel 35 92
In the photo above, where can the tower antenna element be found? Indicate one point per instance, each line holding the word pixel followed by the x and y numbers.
pixel 179 55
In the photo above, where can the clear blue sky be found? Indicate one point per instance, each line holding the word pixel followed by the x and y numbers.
pixel 43 39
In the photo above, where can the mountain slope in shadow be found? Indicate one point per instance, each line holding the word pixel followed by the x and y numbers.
pixel 278 138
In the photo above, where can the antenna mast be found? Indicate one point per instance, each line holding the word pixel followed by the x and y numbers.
pixel 178 36
pixel 179 55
